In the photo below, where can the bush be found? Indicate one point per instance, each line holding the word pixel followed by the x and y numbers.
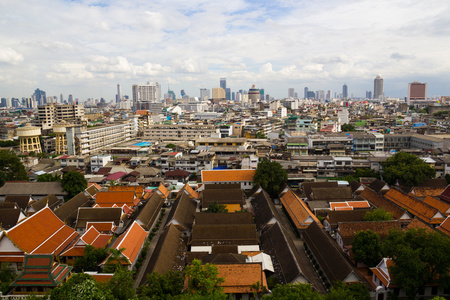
pixel 154 229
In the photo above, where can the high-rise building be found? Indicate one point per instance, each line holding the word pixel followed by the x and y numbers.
pixel 40 97
pixel 61 98
pixel 223 83
pixel 70 100
pixel 172 94
pixel 417 93
pixel 329 95
pixel 378 87
pixel 368 94
pixel 233 96
pixel 344 91
pixel 218 94
pixel 228 93
pixel 306 92
pixel 205 94
pixel 143 94
pixel 291 92
pixel 119 94
pixel 253 95
pixel 182 93
pixel 261 93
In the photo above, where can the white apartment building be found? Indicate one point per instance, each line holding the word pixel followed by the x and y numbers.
pixel 99 161
pixel 179 131
pixel 82 140
pixel 144 94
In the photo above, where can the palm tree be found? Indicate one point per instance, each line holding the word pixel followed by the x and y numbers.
pixel 116 257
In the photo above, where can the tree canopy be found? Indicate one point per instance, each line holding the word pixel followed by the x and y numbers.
pixel 378 214
pixel 407 167
pixel 91 258
pixel 11 168
pixel 73 183
pixel 202 279
pixel 270 175
pixel 161 286
pixel 217 208
pixel 47 178
pixel 347 127
pixel 367 248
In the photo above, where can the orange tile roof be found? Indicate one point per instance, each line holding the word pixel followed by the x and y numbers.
pixel 101 226
pixel 445 226
pixel 427 191
pixel 343 208
pixel 297 210
pixel 102 277
pixel 442 206
pixel 139 190
pixel 240 277
pixel 417 224
pixel 227 175
pixel 190 191
pixel 335 205
pixel 90 237
pixel 383 273
pixel 132 241
pixel 165 192
pixel 358 204
pixel 43 232
pixel 108 199
pixel 423 211
pixel 233 207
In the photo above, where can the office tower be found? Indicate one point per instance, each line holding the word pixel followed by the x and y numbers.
pixel 344 91
pixel 3 102
pixel 306 92
pixel 172 94
pixel 311 95
pixel 378 87
pixel 218 94
pixel 70 100
pixel 119 94
pixel 205 94
pixel 253 95
pixel 321 94
pixel 223 83
pixel 40 97
pixel 417 93
pixel 261 93
pixel 329 95
pixel 295 95
pixel 61 98
pixel 233 96
pixel 291 92
pixel 182 93
pixel 143 94
pixel 369 95
pixel 228 93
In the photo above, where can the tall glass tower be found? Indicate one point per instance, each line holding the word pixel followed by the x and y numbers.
pixel 378 87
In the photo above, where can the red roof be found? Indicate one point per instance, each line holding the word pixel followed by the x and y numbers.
pixel 132 240
pixel 116 176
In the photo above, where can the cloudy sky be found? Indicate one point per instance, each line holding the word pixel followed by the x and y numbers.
pixel 86 47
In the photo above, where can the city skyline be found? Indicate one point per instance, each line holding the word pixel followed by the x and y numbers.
pixel 86 48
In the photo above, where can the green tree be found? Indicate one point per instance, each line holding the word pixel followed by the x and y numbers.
pixel 114 260
pixel 447 178
pixel 121 285
pixel 261 135
pixel 294 291
pixel 61 292
pixel 91 258
pixel 340 291
pixel 217 208
pixel 86 290
pixel 270 175
pixel 47 178
pixel 9 143
pixel 348 127
pixel 367 248
pixel 11 168
pixel 202 279
pixel 407 167
pixel 73 183
pixel 378 214
pixel 162 286
pixel 6 277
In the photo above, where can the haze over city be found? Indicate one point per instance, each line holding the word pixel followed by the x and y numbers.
pixel 86 48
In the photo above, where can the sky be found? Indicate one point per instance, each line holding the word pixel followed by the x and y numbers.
pixel 87 47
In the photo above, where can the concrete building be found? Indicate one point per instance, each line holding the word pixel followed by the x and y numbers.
pixel 52 113
pixel 253 95
pixel 378 88
pixel 205 94
pixel 144 94
pixel 29 139
pixel 218 94
pixel 82 140
pixel 417 94
pixel 179 132
pixel 291 92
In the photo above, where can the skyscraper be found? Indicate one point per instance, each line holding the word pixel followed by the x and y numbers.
pixel 253 95
pixel 291 92
pixel 204 94
pixel 223 83
pixel 306 92
pixel 417 93
pixel 344 91
pixel 119 94
pixel 218 94
pixel 378 87
pixel 40 97
pixel 143 94
pixel 368 94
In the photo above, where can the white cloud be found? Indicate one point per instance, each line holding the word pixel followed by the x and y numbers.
pixel 8 55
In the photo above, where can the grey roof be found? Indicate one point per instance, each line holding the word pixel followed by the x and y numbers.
pixel 9 214
pixel 69 210
pixel 264 209
pixel 285 257
pixel 51 201
pixel 377 185
pixel 33 188
pixel 98 214
pixel 307 186
pixel 183 211
pixel 150 211
pixel 224 234
pixel 205 218
pixel 356 215
pixel 332 194
pixel 21 200
pixel 222 196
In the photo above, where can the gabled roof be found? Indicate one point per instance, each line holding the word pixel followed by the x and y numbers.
pixel 297 210
pixel 43 232
pixel 239 278
pixel 224 234
pixel 380 202
pixel 205 218
pixel 265 210
pixel 150 211
pixel 382 272
pixel 177 173
pixel 115 176
pixel 445 195
pixel 138 189
pixel 100 214
pixel 163 191
pixel 227 175
pixel 378 185
pixel 41 271
pixel 423 211
pixel 443 207
pixel 91 237
pixel 223 196
pixel 287 261
pixel 33 188
pixel 435 182
pixel 69 210
pixel 330 259
pixel 334 217
pixel 332 194
pixel 132 240
pixel 51 201
pixel 9 214
pixel 307 187
pixel 421 192
pixel 356 186
pixel 92 189
pixel 168 254
pixel 187 189
pixel 445 226
pixel 418 224
pixel 182 213
pixel 108 199
pixel 21 200
pixel 347 230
